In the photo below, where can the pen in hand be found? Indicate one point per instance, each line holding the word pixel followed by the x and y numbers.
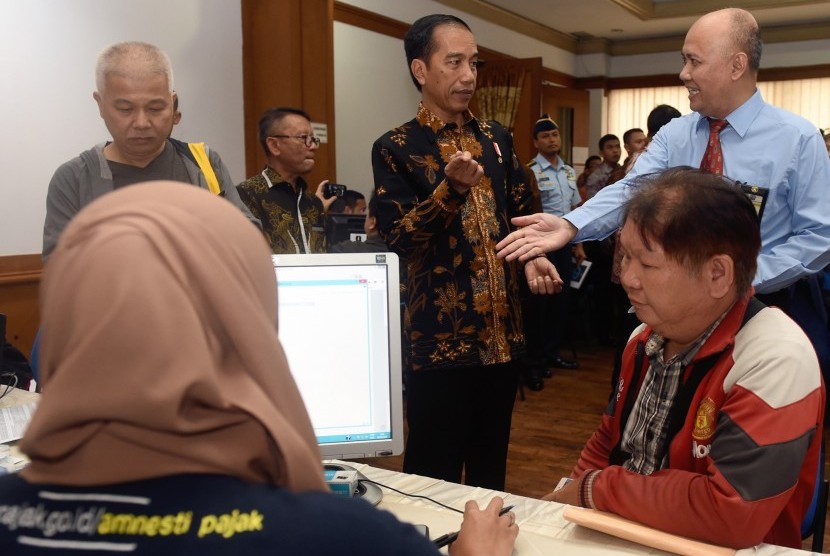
pixel 449 538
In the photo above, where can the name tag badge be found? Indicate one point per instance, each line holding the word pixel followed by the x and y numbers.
pixel 757 194
pixel 545 183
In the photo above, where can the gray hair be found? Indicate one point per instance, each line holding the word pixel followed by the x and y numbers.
pixel 132 58
pixel 747 36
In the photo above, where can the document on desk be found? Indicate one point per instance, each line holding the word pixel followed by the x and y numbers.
pixel 637 532
pixel 16 410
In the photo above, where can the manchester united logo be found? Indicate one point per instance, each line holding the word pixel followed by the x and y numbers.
pixel 704 420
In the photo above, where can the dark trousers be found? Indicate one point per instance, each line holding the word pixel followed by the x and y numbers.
pixel 533 314
pixel 557 306
pixel 598 282
pixel 459 419
pixel 545 317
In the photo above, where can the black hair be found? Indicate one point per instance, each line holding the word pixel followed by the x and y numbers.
pixel 605 138
pixel 272 116
pixel 693 215
pixel 627 135
pixel 351 197
pixel 418 43
pixel 372 205
pixel 660 116
pixel 591 159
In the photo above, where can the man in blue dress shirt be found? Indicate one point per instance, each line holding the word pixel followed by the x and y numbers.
pixel 762 146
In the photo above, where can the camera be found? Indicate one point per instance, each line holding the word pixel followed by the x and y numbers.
pixel 333 190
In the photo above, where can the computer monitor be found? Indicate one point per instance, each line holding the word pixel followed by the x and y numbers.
pixel 339 323
pixel 345 227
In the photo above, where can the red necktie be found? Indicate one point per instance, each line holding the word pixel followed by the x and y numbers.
pixel 713 157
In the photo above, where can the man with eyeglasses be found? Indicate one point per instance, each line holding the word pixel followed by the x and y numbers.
pixel 136 100
pixel 292 218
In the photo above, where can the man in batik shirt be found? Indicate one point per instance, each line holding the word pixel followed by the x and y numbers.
pixel 447 185
pixel 292 216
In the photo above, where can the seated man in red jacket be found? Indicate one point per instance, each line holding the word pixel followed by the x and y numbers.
pixel 715 427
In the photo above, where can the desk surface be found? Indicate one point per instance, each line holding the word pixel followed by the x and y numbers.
pixel 16 397
pixel 542 528
pixel 16 409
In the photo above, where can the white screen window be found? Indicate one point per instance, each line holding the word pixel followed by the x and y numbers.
pixel 334 329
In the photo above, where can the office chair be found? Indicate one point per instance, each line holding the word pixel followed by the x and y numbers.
pixel 14 367
pixel 816 516
pixel 2 339
pixel 34 358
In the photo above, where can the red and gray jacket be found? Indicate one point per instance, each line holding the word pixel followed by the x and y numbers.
pixel 745 434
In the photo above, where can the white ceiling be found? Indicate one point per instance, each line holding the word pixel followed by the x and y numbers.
pixel 608 19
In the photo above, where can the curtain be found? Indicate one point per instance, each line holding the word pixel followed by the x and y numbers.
pixel 628 108
pixel 498 94
pixel 805 97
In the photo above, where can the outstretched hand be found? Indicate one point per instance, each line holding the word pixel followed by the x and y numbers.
pixel 538 234
pixel 485 531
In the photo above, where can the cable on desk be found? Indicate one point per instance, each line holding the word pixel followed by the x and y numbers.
pixel 10 385
pixel 410 495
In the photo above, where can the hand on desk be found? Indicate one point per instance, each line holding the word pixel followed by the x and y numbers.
pixel 484 531
pixel 568 494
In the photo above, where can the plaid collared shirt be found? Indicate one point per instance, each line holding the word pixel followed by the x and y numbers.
pixel 645 432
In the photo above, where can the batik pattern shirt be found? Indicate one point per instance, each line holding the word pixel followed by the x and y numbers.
pixel 599 178
pixel 280 209
pixel 462 306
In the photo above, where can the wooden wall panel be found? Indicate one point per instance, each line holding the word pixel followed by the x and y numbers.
pixel 556 98
pixel 19 287
pixel 371 21
pixel 317 32
pixel 288 60
pixel 529 108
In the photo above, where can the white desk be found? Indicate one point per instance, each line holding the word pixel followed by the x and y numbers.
pixel 542 529
pixel 16 408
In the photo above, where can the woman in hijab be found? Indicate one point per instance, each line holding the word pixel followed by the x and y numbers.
pixel 169 421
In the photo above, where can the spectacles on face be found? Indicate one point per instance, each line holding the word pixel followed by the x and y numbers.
pixel 308 140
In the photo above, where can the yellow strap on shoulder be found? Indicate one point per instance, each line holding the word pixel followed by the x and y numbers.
pixel 199 152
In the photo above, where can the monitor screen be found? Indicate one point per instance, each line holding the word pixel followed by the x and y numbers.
pixel 339 323
pixel 345 227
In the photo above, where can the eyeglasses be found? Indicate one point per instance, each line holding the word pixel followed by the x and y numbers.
pixel 308 140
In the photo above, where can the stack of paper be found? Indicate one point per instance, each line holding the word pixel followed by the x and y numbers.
pixel 16 410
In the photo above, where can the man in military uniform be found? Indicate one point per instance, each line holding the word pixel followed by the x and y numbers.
pixel 560 195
